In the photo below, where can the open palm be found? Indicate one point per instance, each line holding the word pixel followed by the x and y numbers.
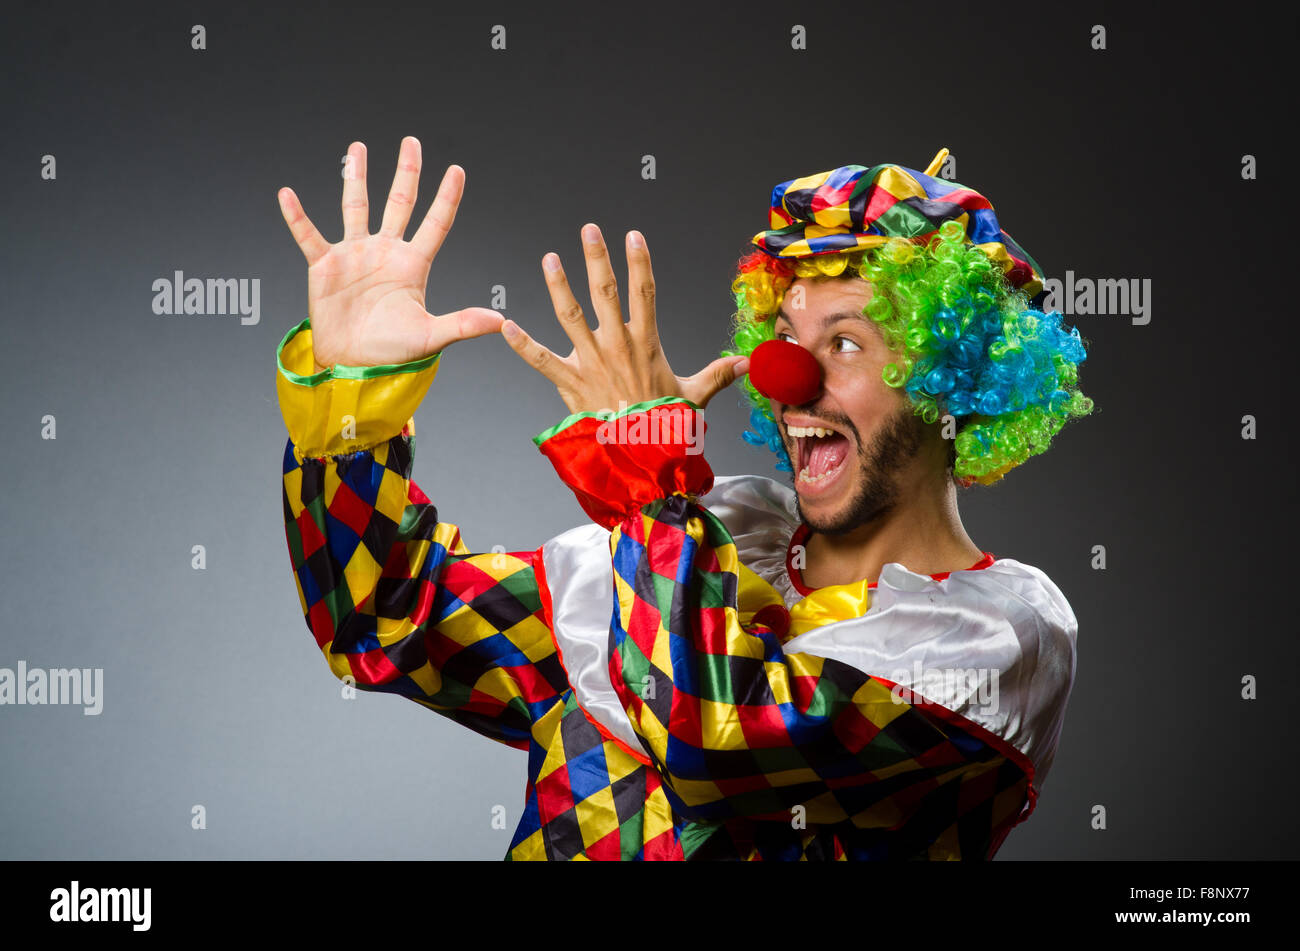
pixel 366 294
pixel 617 363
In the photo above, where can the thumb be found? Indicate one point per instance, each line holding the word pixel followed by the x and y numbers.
pixel 715 377
pixel 461 325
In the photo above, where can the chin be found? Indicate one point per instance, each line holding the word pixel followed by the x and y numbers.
pixel 826 508
pixel 863 497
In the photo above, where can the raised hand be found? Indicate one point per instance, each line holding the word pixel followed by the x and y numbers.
pixel 617 361
pixel 365 295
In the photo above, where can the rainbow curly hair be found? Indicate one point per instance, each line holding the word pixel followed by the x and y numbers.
pixel 967 341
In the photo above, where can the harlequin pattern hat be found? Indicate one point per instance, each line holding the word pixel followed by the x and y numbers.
pixel 854 207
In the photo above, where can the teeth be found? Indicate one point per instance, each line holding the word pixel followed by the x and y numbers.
pixel 804 432
pixel 805 476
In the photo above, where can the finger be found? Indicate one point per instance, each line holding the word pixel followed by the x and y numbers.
pixel 569 312
pixel 536 356
pixel 438 220
pixel 641 293
pixel 406 184
pixel 356 203
pixel 714 378
pixel 603 285
pixel 461 325
pixel 313 246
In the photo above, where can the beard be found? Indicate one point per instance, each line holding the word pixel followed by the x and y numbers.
pixel 891 448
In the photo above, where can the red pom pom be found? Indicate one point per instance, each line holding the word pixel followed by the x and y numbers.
pixel 785 372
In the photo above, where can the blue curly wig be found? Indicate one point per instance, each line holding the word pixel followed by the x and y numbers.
pixel 967 343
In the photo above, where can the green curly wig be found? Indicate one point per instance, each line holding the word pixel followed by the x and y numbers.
pixel 967 343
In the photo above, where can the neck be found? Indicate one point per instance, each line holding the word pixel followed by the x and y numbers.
pixel 923 532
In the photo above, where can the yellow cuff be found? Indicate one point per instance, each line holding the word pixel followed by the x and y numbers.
pixel 345 409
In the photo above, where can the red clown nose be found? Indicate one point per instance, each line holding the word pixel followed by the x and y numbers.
pixel 785 372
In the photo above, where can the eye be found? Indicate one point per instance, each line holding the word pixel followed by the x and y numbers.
pixel 783 335
pixel 849 345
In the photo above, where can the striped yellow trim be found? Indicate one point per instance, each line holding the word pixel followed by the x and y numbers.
pixel 345 409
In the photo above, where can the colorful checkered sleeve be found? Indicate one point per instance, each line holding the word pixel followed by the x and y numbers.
pixel 395 600
pixel 398 604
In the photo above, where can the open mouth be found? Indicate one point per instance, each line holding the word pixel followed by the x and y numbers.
pixel 822 455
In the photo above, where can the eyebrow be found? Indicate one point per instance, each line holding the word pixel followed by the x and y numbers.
pixel 828 319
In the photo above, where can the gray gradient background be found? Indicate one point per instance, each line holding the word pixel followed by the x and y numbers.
pixel 1106 163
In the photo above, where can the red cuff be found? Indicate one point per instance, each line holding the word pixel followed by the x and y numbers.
pixel 617 463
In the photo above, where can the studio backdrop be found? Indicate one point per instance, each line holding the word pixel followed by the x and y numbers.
pixel 1134 154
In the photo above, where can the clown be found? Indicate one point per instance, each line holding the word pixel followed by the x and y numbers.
pixel 714 667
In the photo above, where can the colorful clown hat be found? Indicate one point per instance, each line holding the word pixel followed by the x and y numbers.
pixel 855 207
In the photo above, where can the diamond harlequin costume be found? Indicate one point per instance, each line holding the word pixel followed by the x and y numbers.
pixel 679 692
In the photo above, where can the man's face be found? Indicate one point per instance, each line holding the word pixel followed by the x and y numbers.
pixel 852 475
